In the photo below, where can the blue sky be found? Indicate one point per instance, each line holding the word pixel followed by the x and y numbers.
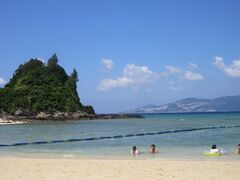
pixel 128 53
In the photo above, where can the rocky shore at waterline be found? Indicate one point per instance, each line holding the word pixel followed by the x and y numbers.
pixel 20 118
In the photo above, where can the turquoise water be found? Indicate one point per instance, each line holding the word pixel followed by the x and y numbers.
pixel 179 145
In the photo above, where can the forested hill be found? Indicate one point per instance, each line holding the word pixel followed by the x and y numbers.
pixel 37 87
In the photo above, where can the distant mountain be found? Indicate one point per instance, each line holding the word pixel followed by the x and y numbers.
pixel 221 104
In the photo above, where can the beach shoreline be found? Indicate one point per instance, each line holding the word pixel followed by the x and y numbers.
pixel 8 121
pixel 12 119
pixel 48 168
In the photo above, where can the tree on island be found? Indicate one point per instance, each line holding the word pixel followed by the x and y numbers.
pixel 37 87
pixel 53 61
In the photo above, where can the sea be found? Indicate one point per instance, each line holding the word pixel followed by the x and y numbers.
pixel 181 136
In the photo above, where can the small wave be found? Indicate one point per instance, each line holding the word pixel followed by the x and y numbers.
pixel 68 155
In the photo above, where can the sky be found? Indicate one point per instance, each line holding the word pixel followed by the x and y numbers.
pixel 128 53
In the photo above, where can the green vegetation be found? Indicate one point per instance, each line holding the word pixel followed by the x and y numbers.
pixel 36 87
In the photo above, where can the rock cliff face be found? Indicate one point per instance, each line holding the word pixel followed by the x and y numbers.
pixel 222 104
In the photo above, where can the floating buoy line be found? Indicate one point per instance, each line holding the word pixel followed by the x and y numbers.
pixel 116 136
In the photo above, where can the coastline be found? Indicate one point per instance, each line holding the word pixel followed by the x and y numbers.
pixel 39 168
pixel 59 116
pixel 8 121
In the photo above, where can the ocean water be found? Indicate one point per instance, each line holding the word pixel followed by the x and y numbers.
pixel 175 145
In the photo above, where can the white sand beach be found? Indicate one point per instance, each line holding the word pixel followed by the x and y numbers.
pixel 12 168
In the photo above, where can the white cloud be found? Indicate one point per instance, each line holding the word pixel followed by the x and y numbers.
pixel 2 81
pixel 192 65
pixel 189 75
pixel 186 74
pixel 108 64
pixel 171 70
pixel 231 70
pixel 108 84
pixel 134 76
pixel 140 74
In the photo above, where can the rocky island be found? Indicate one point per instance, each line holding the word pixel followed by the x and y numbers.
pixel 39 91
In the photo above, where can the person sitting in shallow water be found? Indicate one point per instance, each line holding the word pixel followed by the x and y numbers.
pixel 214 149
pixel 238 149
pixel 134 150
pixel 153 149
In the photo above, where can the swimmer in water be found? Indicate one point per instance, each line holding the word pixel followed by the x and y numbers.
pixel 153 149
pixel 134 150
pixel 214 149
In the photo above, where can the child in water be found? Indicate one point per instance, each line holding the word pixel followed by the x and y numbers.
pixel 153 149
pixel 238 149
pixel 214 149
pixel 134 150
